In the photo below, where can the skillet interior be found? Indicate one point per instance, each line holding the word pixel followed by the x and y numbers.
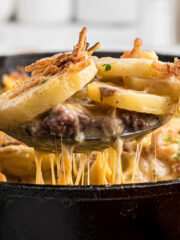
pixel 9 63
pixel 138 211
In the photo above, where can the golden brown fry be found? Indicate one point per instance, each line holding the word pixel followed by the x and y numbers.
pixel 137 67
pixel 52 81
pixel 58 64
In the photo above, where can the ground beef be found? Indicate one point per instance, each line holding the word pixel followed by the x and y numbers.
pixel 65 120
pixel 134 120
pixel 70 119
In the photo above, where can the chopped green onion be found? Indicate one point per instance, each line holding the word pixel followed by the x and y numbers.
pixel 107 67
pixel 43 82
pixel 168 139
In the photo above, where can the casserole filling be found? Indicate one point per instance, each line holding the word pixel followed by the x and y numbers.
pixel 80 117
pixel 78 97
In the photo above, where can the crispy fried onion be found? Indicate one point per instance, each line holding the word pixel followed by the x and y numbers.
pixel 62 61
pixel 166 69
pixel 58 64
pixel 137 52
pixel 159 69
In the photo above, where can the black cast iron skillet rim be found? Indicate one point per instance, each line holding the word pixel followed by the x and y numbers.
pixel 78 193
pixel 94 192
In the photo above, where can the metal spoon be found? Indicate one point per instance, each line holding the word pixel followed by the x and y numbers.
pixel 92 143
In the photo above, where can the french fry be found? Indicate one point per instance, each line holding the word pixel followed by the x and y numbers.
pixel 109 68
pixel 53 80
pixel 131 100
pixel 44 96
pixel 163 87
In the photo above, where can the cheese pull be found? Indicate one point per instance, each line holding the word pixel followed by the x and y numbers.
pixel 131 100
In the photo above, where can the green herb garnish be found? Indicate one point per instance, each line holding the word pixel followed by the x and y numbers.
pixel 168 139
pixel 176 157
pixel 9 143
pixel 43 82
pixel 107 67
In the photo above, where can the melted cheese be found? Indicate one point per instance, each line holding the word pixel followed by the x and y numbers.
pixel 114 165
pixel 52 158
pixel 119 150
pixel 136 160
pixel 38 160
pixel 88 168
pixel 58 158
pixel 81 168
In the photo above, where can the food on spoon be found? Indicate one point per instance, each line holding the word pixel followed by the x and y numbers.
pixel 53 81
pixel 54 101
pixel 65 98
pixel 142 71
pixel 118 97
pixel 137 67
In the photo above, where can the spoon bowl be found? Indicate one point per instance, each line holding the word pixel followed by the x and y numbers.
pixel 90 143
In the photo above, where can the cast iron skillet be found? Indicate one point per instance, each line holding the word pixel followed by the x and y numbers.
pixel 136 211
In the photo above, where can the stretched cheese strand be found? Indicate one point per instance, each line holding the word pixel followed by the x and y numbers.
pixel 136 160
pixel 114 167
pixel 88 167
pixel 152 167
pixel 82 178
pixel 74 165
pixel 58 159
pixel 51 158
pixel 66 165
pixel 63 178
pixel 80 170
pixel 100 171
pixel 103 167
pixel 155 155
pixel 112 163
pixel 109 167
pixel 119 149
pixel 38 160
